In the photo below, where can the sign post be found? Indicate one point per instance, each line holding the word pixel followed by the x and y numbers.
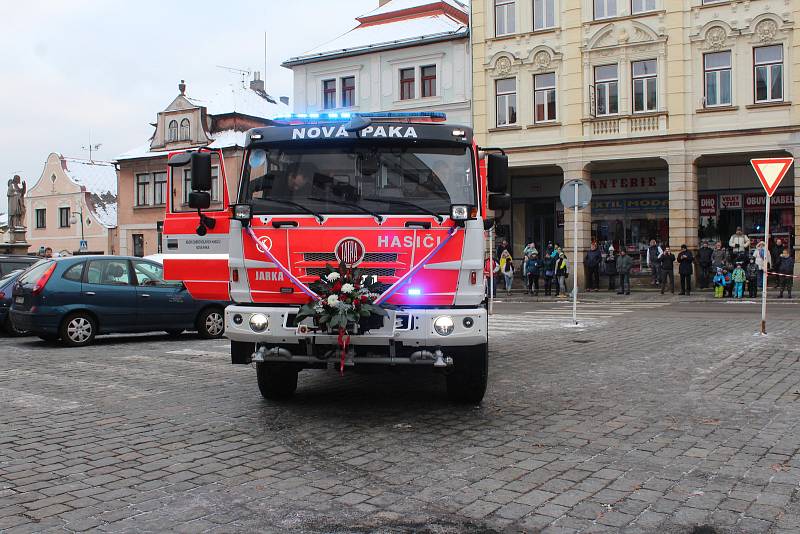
pixel 770 172
pixel 575 194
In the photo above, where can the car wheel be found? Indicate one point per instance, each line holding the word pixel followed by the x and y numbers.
pixel 174 332
pixel 211 323
pixel 12 330
pixel 467 380
pixel 78 329
pixel 276 381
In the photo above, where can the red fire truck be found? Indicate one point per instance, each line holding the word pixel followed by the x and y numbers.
pixel 399 195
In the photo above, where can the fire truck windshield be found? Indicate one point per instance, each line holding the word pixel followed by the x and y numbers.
pixel 354 178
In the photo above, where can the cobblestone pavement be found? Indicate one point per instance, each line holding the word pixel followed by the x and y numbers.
pixel 659 420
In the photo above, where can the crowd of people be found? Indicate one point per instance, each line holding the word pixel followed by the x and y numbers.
pixel 729 270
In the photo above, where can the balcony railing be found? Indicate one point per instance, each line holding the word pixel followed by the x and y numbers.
pixel 626 125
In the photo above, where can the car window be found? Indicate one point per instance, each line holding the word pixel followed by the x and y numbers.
pixel 9 266
pixel 74 273
pixel 150 274
pixel 109 272
pixel 35 272
pixel 6 277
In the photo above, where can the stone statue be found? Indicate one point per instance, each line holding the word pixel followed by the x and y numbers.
pixel 16 202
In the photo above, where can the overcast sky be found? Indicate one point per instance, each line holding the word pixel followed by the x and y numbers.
pixel 107 67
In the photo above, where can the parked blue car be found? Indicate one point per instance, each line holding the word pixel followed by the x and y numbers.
pixel 77 298
pixel 7 282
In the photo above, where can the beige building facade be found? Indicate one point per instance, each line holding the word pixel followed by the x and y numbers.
pixel 74 200
pixel 658 104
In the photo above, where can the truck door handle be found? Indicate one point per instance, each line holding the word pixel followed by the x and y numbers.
pixel 90 293
pixel 145 296
pixel 281 224
pixel 418 224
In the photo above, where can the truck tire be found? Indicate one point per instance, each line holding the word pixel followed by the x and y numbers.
pixel 466 382
pixel 276 381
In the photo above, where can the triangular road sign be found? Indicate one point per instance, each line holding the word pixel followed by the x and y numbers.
pixel 771 171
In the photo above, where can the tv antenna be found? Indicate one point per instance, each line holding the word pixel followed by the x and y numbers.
pixel 91 147
pixel 245 73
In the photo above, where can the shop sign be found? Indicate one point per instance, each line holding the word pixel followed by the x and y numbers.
pixel 619 205
pixel 614 184
pixel 708 205
pixel 758 202
pixel 730 202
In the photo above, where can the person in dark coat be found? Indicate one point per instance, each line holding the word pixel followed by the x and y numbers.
pixel 786 268
pixel 776 252
pixel 533 268
pixel 666 262
pixel 592 262
pixel 549 271
pixel 624 266
pixel 704 261
pixel 686 269
pixel 611 269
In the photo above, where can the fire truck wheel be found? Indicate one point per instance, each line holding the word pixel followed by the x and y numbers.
pixel 466 383
pixel 211 323
pixel 276 381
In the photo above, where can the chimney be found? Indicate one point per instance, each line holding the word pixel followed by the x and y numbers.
pixel 285 100
pixel 182 87
pixel 257 84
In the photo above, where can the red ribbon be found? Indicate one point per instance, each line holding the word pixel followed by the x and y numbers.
pixel 344 341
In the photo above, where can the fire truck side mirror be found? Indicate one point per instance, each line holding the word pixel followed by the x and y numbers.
pixel 201 171
pixel 499 201
pixel 497 173
pixel 199 200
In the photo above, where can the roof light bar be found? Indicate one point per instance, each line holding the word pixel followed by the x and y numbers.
pixel 431 116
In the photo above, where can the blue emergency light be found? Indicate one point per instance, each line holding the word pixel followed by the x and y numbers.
pixel 345 116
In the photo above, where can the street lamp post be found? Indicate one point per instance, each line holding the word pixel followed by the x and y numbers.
pixel 79 214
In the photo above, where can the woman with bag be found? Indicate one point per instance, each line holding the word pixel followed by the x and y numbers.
pixel 562 271
pixel 507 268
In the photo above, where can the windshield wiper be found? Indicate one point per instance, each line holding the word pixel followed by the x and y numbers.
pixel 377 216
pixel 319 217
pixel 439 218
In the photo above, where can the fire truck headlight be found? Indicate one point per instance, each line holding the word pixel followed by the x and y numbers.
pixel 258 322
pixel 242 212
pixel 459 212
pixel 443 325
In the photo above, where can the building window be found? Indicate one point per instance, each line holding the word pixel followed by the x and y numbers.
pixel 187 185
pixel 645 86
pixel 544 97
pixel 215 183
pixel 506 101
pixel 328 94
pixel 142 186
pixel 604 9
pixel 184 130
pixel 544 14
pixel 769 73
pixel 606 86
pixel 428 75
pixel 348 91
pixel 407 84
pixel 717 68
pixel 41 218
pixel 160 188
pixel 503 17
pixel 172 132
pixel 642 6
pixel 63 217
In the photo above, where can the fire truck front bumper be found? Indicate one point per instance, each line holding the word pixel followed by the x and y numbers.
pixel 410 328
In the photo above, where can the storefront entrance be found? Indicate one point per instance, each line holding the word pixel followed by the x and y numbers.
pixel 541 223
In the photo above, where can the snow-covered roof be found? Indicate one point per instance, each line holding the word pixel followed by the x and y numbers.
pixel 99 180
pixel 379 29
pixel 236 98
pixel 221 139
pixel 399 5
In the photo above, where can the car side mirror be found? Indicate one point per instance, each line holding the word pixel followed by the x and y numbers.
pixel 201 171
pixel 497 173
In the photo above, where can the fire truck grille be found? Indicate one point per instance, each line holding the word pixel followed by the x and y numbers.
pixel 372 257
pixel 321 271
